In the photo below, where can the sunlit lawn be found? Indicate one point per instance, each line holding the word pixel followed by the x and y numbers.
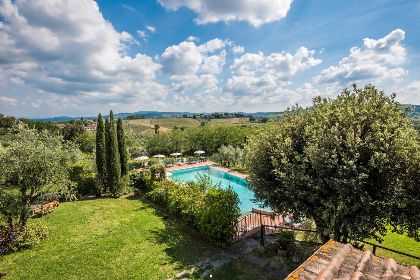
pixel 400 243
pixel 107 239
pixel 128 239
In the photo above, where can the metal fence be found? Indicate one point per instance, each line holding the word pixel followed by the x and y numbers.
pixel 270 229
pixel 251 223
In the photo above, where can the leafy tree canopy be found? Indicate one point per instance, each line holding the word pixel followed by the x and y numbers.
pixel 351 164
pixel 32 165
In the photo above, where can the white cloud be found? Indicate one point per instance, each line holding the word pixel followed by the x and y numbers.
pixel 213 45
pixel 187 58
pixel 256 74
pixel 129 8
pixel 409 94
pixel 182 59
pixel 141 33
pixel 238 49
pixel 255 12
pixel 8 101
pixel 193 39
pixel 375 61
pixel 213 64
pixel 68 48
pixel 152 29
pixel 193 70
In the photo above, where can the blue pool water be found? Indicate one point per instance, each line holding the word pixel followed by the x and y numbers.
pixel 223 179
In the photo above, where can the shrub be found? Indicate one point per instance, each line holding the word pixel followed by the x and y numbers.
pixel 212 210
pixel 13 238
pixel 285 240
pixel 219 215
pixel 123 186
pixel 229 155
pixel 157 173
pixel 160 191
pixel 30 236
pixel 140 181
pixel 83 174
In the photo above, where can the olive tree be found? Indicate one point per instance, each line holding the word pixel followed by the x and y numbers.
pixel 350 164
pixel 32 165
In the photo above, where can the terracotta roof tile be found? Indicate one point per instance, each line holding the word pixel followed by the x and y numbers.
pixel 341 261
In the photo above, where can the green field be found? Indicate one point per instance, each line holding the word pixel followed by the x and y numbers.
pixel 400 243
pixel 230 121
pixel 165 124
pixel 107 239
pixel 146 126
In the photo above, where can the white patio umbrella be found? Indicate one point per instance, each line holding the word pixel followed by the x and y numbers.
pixel 176 155
pixel 199 152
pixel 159 156
pixel 142 158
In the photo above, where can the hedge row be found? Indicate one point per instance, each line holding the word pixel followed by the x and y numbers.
pixel 210 209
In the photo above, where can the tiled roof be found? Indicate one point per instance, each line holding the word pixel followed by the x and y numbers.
pixel 341 261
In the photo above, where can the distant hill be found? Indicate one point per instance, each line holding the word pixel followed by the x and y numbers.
pixel 415 113
pixel 150 115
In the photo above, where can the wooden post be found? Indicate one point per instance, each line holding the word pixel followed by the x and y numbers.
pixel 262 235
pixel 374 249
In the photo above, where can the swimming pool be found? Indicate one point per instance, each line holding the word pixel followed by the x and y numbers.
pixel 239 185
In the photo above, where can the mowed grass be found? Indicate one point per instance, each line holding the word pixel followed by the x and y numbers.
pixel 401 243
pixel 107 239
pixel 240 270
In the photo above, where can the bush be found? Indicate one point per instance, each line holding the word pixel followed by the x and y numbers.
pixel 285 240
pixel 213 211
pixel 83 174
pixel 229 155
pixel 219 215
pixel 13 239
pixel 160 192
pixel 140 181
pixel 123 185
pixel 31 236
pixel 157 173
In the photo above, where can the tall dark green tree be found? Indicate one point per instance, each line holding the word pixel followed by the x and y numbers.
pixel 122 148
pixel 100 156
pixel 112 156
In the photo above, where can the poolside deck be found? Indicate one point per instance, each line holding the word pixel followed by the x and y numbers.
pixel 207 163
pixel 250 224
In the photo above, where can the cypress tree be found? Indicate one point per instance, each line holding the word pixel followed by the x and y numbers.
pixel 107 153
pixel 113 157
pixel 121 148
pixel 100 156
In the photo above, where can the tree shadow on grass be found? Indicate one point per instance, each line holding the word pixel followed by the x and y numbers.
pixel 184 245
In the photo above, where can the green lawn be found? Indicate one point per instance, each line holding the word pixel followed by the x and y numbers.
pixel 166 124
pixel 107 239
pixel 400 243
pixel 129 239
pixel 240 270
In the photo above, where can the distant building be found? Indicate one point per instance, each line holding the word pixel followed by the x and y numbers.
pixel 91 126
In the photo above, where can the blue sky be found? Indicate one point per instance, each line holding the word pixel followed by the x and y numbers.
pixel 80 57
